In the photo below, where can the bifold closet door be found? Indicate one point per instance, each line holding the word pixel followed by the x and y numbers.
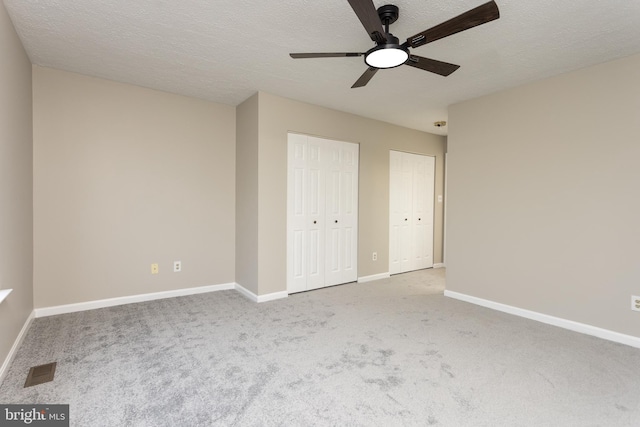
pixel 411 194
pixel 305 215
pixel 341 212
pixel 322 212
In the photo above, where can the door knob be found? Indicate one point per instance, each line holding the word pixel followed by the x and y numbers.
pixel 419 219
pixel 405 219
pixel 315 222
pixel 336 221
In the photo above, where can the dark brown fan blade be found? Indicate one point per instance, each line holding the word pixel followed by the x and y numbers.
pixel 366 12
pixel 432 65
pixel 324 55
pixel 365 77
pixel 474 17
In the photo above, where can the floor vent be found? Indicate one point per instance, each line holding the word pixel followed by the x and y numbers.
pixel 40 374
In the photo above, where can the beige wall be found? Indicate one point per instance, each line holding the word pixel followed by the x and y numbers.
pixel 279 116
pixel 247 194
pixel 125 177
pixel 16 205
pixel 543 185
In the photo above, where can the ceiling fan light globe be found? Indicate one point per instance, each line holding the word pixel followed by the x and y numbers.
pixel 386 56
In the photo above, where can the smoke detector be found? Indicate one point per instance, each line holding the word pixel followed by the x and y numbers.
pixel 440 124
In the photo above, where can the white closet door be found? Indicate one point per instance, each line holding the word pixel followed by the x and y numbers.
pixel 395 216
pixel 423 192
pixel 315 195
pixel 322 213
pixel 400 194
pixel 341 212
pixel 333 259
pixel 297 223
pixel 349 156
pixel 411 193
pixel 407 247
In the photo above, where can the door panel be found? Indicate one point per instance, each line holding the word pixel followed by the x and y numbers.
pixel 407 248
pixel 349 211
pixel 296 212
pixel 395 211
pixel 419 234
pixel 349 251
pixel 298 248
pixel 424 197
pixel 333 271
pixel 314 218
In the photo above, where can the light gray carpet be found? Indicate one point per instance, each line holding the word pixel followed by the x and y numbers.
pixel 391 352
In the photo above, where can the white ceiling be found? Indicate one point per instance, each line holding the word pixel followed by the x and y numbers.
pixel 225 51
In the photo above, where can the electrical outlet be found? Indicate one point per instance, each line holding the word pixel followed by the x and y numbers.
pixel 374 256
pixel 177 266
pixel 635 303
pixel 154 268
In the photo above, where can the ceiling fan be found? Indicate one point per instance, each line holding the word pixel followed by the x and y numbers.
pixel 389 53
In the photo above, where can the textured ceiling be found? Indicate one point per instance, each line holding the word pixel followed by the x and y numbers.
pixel 225 51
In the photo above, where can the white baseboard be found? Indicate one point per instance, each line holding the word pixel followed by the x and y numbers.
pixel 110 302
pixel 16 345
pixel 373 277
pixel 550 320
pixel 439 265
pixel 260 298
pixel 273 296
